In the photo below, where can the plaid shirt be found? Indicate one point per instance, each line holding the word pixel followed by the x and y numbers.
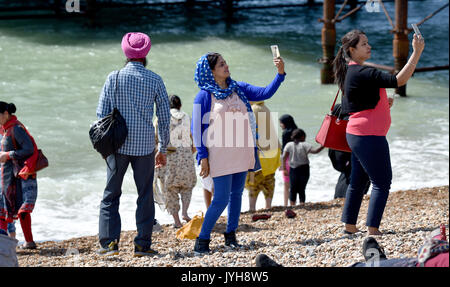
pixel 137 92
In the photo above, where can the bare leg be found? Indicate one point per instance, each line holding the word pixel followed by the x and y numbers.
pixel 351 228
pixel 286 193
pixel 185 201
pixel 176 219
pixel 268 202
pixel 374 231
pixel 252 201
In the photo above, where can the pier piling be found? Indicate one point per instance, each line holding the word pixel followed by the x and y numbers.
pixel 328 42
pixel 401 42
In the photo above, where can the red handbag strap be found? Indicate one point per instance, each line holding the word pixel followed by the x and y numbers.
pixel 337 94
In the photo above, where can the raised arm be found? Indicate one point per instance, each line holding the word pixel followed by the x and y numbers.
pixel 407 71
pixel 256 94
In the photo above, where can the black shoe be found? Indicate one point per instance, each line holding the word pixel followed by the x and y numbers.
pixel 372 250
pixel 262 260
pixel 230 239
pixel 201 246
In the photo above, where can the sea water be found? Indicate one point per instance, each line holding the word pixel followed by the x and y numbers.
pixel 53 70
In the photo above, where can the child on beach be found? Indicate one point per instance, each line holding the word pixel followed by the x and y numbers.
pixel 297 153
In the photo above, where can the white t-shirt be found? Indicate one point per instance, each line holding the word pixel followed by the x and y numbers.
pixel 298 153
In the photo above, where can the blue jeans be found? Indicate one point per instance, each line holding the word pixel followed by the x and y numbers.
pixel 370 159
pixel 227 191
pixel 11 227
pixel 109 221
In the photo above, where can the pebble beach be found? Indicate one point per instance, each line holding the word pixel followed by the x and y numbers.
pixel 314 238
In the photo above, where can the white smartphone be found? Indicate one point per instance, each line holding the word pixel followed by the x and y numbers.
pixel 416 30
pixel 275 51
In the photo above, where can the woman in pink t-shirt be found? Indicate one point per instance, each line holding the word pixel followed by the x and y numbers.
pixel 366 101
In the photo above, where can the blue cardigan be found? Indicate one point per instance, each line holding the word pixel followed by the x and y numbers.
pixel 202 105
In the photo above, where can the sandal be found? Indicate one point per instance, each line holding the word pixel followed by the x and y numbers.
pixel 263 216
pixel 290 213
pixel 351 233
pixel 29 245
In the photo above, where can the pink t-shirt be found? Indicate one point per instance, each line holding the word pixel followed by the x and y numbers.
pixel 372 122
pixel 229 138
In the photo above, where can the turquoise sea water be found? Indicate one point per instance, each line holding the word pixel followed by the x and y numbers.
pixel 53 70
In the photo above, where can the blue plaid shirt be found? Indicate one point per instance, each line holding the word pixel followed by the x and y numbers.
pixel 138 89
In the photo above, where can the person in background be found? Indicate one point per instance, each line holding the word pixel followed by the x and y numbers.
pixel 433 253
pixel 178 176
pixel 287 125
pixel 365 99
pixel 19 189
pixel 269 156
pixel 138 91
pixel 220 104
pixel 296 153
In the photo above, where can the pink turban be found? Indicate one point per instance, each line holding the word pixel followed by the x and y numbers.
pixel 136 45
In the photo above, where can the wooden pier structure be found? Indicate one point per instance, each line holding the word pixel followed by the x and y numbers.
pixel 400 30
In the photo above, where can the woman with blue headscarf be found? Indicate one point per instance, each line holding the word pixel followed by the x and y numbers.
pixel 224 132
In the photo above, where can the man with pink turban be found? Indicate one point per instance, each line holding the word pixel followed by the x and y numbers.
pixel 134 91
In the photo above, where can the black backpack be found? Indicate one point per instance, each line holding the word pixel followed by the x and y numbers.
pixel 109 133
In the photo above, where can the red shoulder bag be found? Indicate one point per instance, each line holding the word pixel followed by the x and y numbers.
pixel 332 131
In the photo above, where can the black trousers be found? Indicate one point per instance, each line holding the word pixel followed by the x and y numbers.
pixel 298 177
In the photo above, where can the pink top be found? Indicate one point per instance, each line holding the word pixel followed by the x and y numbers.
pixel 229 137
pixel 373 122
pixel 440 260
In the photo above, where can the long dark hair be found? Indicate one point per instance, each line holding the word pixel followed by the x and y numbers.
pixel 290 126
pixel 351 39
pixel 10 108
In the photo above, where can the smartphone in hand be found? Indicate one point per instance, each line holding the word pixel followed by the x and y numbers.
pixel 416 30
pixel 275 51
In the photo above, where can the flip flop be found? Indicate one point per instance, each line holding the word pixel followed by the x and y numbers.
pixel 263 216
pixel 28 245
pixel 290 213
pixel 351 233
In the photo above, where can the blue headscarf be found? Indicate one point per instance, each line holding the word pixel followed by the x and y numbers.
pixel 205 81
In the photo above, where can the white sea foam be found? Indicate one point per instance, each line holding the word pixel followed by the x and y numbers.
pixel 69 207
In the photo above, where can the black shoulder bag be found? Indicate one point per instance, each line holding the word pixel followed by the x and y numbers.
pixel 109 133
